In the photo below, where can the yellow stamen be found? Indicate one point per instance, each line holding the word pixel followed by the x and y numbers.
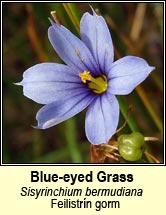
pixel 85 76
pixel 97 85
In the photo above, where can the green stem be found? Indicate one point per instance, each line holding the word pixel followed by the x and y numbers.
pixel 70 135
pixel 130 120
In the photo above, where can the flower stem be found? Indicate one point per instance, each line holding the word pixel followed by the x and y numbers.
pixel 130 120
pixel 70 135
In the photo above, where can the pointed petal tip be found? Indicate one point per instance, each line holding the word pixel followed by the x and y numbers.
pixel 37 126
pixel 50 20
pixel 152 68
pixel 92 9
pixel 56 23
pixel 33 126
pixel 18 83
pixel 94 12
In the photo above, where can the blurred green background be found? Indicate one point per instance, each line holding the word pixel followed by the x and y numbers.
pixel 136 29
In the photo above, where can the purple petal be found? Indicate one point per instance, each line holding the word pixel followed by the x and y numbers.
pixel 102 119
pixel 48 82
pixel 71 49
pixel 126 73
pixel 57 112
pixel 96 36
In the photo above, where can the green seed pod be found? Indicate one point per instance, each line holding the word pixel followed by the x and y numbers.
pixel 131 146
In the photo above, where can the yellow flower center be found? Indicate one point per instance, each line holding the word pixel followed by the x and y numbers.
pixel 97 85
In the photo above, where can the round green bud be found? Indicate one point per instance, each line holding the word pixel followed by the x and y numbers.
pixel 131 146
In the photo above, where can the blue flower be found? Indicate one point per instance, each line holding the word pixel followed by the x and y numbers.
pixel 90 79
